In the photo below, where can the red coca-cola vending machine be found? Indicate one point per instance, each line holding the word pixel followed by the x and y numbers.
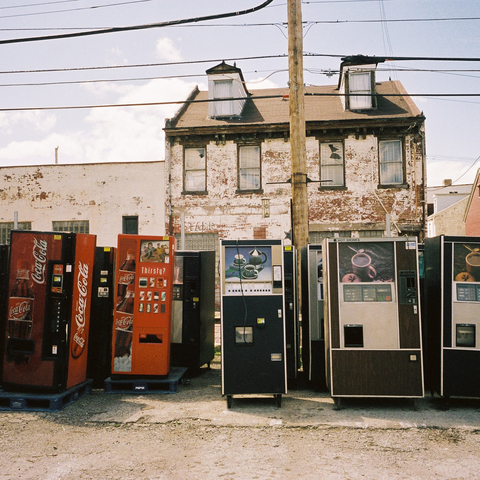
pixel 48 310
pixel 142 319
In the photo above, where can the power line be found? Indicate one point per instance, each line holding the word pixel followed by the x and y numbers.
pixel 138 27
pixel 257 97
pixel 91 7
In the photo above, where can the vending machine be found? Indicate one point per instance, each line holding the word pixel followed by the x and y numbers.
pixel 452 290
pixel 4 253
pixel 313 330
pixel 373 318
pixel 48 313
pixel 292 325
pixel 253 318
pixel 101 317
pixel 193 319
pixel 142 318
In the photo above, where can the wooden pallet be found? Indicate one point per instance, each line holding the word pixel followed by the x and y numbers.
pixel 168 384
pixel 43 402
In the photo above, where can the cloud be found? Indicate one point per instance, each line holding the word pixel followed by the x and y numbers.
pixel 167 51
pixel 117 134
pixel 457 171
pixel 40 121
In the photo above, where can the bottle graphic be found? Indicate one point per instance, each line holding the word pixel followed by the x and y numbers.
pixel 20 345
pixel 126 276
pixel 123 331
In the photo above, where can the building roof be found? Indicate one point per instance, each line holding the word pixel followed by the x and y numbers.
pixel 322 104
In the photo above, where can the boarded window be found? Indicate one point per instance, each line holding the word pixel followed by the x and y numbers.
pixel 332 166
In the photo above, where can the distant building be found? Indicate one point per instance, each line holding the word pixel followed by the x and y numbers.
pixel 104 199
pixel 446 207
pixel 472 211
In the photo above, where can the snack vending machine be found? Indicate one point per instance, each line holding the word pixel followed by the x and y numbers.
pixel 313 330
pixel 452 289
pixel 48 312
pixel 292 326
pixel 193 318
pixel 253 318
pixel 101 316
pixel 142 318
pixel 372 313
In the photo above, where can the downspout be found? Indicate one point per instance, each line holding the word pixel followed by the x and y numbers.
pixel 169 199
pixel 424 185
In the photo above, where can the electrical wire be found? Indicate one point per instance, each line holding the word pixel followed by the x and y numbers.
pixel 138 27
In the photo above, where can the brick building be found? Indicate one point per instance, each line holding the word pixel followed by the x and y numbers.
pixel 228 159
pixel 472 212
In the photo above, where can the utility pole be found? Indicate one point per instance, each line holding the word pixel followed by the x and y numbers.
pixel 297 128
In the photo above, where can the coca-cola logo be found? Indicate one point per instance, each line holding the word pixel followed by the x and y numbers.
pixel 21 309
pixel 126 278
pixel 81 308
pixel 124 321
pixel 40 256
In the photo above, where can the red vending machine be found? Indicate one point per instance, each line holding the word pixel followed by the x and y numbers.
pixel 142 319
pixel 48 310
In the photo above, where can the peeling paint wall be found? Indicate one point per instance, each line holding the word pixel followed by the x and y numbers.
pixel 99 193
pixel 361 206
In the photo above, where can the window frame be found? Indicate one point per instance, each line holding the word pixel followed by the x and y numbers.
pixel 249 190
pixel 329 185
pixel 7 227
pixel 204 169
pixel 71 226
pixel 370 93
pixel 384 184
pixel 219 108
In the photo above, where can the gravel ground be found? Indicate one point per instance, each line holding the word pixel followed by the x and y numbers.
pixel 192 434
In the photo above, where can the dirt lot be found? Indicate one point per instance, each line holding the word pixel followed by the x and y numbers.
pixel 192 434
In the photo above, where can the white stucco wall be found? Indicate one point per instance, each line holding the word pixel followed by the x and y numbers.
pixel 101 193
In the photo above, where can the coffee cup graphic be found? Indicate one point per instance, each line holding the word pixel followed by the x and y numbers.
pixel 362 266
pixel 472 261
pixel 250 271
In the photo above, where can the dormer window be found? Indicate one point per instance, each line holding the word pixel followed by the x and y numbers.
pixel 223 89
pixel 226 90
pixel 357 84
pixel 360 90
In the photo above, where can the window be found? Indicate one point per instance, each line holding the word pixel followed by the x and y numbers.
pixel 332 165
pixel 360 90
pixel 195 170
pixel 223 89
pixel 319 236
pixel 74 226
pixel 391 162
pixel 7 227
pixel 130 225
pixel 249 168
pixel 370 233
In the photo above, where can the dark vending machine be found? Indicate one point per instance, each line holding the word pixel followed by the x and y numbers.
pixel 374 330
pixel 142 319
pixel 253 318
pixel 452 289
pixel 292 327
pixel 313 330
pixel 193 318
pixel 48 311
pixel 101 316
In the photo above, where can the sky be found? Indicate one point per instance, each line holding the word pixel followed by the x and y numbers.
pixel 67 97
